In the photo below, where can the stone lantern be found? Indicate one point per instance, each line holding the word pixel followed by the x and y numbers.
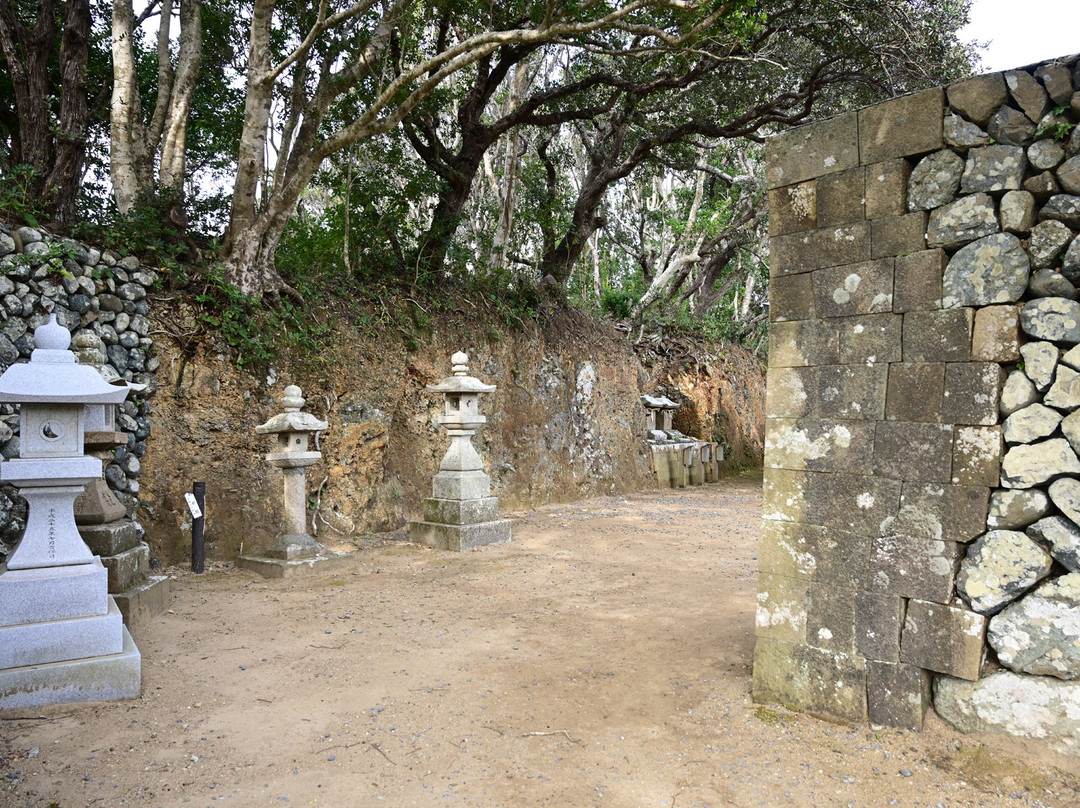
pixel 292 455
pixel 54 603
pixel 461 513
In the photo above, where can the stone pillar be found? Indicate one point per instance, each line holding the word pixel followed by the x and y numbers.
pixel 461 513
pixel 102 518
pixel 62 637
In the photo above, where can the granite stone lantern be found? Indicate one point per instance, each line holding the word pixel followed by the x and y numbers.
pixel 461 513
pixel 293 430
pixel 62 637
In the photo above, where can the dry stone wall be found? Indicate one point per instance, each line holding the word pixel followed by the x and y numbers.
pixel 922 484
pixel 89 291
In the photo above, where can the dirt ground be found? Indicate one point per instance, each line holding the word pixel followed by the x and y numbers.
pixel 603 658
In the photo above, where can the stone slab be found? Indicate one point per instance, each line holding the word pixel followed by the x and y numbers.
pixel 938 512
pixel 128 568
pixel 282 568
pixel 871 339
pixel 105 678
pixel 822 683
pixel 53 593
pixel 943 639
pixel 819 249
pixel 830 618
pixel 977 456
pixel 840 198
pixel 915 391
pixel 886 188
pixel 997 334
pixel 802 343
pixel 812 151
pixel 461 511
pixel 59 640
pixel 914 568
pixel 938 336
pixel 796 550
pixel 793 208
pixel 791 392
pixel 852 392
pixel 844 291
pixel 917 280
pixel 879 620
pixel 110 539
pixel 460 537
pixel 897 695
pixel 972 393
pixel 791 297
pixel 787 496
pixel 782 605
pixel 898 235
pixel 144 601
pixel 855 502
pixel 817 445
pixel 909 125
pixel 913 451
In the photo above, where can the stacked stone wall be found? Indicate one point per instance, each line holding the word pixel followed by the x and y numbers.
pixel 88 291
pixel 922 486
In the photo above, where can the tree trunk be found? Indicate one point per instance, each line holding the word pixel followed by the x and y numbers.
pixel 128 158
pixel 251 158
pixel 55 157
pixel 173 165
pixel 64 179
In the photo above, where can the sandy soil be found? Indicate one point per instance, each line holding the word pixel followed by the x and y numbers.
pixel 602 658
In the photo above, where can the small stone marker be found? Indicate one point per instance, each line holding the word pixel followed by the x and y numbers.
pixel 461 513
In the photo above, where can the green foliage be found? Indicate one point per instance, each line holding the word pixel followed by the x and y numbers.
pixel 256 332
pixel 616 303
pixel 17 199
pixel 1059 130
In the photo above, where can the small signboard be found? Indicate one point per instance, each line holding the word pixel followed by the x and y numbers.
pixel 193 505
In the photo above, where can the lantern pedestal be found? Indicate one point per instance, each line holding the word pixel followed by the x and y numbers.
pixel 461 513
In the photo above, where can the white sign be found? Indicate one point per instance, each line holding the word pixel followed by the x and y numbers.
pixel 193 505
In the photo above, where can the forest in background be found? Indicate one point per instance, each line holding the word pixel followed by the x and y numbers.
pixel 278 159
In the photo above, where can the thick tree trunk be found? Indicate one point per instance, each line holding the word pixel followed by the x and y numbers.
pixel 55 156
pixel 62 185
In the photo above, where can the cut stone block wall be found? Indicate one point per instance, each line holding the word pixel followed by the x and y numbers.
pixel 923 290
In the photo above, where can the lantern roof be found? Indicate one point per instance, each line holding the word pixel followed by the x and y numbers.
pixel 53 377
pixel 461 381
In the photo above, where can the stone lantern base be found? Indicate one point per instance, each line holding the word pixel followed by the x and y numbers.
pixel 63 639
pixel 460 524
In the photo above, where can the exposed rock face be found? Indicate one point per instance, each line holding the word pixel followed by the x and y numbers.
pixel 1055 319
pixel 994 168
pixel 1040 634
pixel 1042 708
pixel 999 568
pixel 1027 465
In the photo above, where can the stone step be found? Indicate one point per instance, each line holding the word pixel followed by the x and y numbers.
pixel 143 601
pixel 110 539
pixel 128 568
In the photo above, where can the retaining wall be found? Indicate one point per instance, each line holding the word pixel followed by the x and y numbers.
pixel 921 478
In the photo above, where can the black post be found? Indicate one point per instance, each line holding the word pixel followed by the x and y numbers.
pixel 198 548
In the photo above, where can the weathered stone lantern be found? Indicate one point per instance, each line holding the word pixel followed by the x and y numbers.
pixel 461 513
pixel 54 603
pixel 292 455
